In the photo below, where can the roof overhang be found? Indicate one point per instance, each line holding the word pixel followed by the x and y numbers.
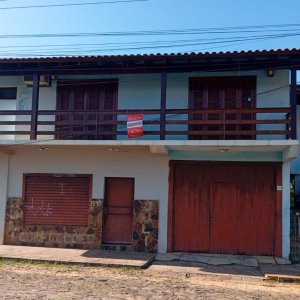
pixel 153 63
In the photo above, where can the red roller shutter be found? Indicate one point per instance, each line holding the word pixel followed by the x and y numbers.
pixel 56 199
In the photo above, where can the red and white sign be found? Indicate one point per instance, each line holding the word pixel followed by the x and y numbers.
pixel 135 125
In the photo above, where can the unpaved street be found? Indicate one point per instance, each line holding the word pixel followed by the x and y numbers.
pixel 42 281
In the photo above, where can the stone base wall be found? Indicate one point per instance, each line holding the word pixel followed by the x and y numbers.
pixel 83 237
pixel 145 225
pixel 144 231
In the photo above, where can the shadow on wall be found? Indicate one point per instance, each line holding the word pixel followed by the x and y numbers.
pixel 295 235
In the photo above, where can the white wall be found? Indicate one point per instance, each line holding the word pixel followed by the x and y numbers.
pixel 47 101
pixel 24 102
pixel 286 225
pixel 276 98
pixel 7 105
pixel 150 173
pixel 10 104
pixel 4 162
pixel 295 164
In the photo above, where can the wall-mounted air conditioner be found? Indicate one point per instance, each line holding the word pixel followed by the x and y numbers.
pixel 45 80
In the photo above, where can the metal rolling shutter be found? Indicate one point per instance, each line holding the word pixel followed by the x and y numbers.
pixel 56 199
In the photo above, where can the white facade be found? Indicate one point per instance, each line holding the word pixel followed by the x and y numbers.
pixel 150 170
pixel 137 161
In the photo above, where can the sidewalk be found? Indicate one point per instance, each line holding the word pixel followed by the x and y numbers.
pixel 77 256
pixel 236 265
pixel 187 263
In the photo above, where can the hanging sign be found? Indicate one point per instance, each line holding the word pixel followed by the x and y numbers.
pixel 135 125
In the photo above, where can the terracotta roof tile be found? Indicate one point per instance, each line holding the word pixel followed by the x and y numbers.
pixel 151 56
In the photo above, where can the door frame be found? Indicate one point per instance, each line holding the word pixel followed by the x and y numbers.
pixel 278 204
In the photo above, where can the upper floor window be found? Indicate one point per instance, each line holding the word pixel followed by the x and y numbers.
pixel 212 96
pixel 81 105
pixel 8 93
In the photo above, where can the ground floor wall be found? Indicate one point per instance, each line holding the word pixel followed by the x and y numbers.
pixel 150 197
pixel 151 193
pixel 81 237
pixel 144 229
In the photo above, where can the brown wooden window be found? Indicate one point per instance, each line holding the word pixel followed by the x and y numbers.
pixel 56 199
pixel 220 95
pixel 81 104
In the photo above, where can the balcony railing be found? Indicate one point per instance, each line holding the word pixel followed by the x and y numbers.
pixel 201 124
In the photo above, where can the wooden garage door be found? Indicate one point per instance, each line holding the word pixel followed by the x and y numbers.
pixel 56 199
pixel 225 208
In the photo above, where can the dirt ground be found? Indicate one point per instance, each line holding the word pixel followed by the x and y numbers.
pixel 42 281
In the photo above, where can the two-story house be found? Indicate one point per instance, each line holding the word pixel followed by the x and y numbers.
pixel 211 172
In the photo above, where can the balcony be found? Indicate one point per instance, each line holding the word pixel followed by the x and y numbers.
pixel 168 124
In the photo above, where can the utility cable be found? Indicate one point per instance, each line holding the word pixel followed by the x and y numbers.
pixel 88 51
pixel 71 4
pixel 225 30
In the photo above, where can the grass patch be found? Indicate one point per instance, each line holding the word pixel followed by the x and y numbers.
pixel 46 264
pixel 127 269
pixel 67 266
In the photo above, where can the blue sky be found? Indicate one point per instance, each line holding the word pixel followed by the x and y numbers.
pixel 150 15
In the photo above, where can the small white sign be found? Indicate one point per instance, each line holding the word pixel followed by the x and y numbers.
pixel 279 187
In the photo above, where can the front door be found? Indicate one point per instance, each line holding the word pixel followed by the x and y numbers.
pixel 118 205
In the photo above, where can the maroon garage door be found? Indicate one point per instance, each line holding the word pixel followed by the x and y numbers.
pixel 225 208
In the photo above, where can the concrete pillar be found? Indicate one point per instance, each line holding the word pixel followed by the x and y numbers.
pixel 4 159
pixel 286 209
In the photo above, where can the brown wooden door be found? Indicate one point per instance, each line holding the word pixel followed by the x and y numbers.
pixel 222 93
pixel 91 97
pixel 191 221
pixel 118 205
pixel 223 217
pixel 225 208
pixel 256 219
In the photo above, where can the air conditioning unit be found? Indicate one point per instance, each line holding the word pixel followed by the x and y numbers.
pixel 45 80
